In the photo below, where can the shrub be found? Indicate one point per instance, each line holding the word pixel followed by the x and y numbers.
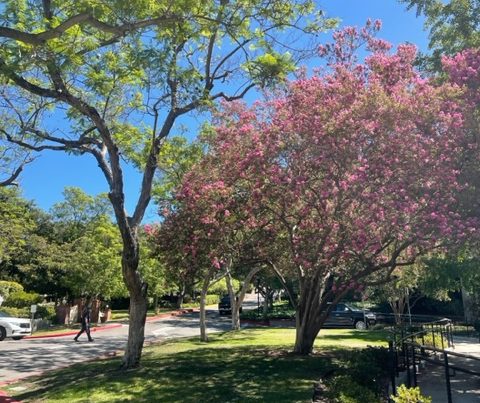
pixel 46 312
pixel 17 312
pixel 428 340
pixel 343 389
pixel 369 367
pixel 210 299
pixel 410 395
pixel 7 287
pixel 281 310
pixel 22 299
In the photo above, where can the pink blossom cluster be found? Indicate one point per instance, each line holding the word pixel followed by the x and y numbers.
pixel 354 170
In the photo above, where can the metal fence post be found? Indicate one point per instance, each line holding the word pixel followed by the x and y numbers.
pixel 441 337
pixel 407 365
pixel 447 377
pixel 414 366
pixel 392 367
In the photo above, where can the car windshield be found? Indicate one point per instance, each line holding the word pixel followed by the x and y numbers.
pixel 341 308
pixel 4 315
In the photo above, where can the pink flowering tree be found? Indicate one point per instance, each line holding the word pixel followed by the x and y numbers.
pixel 356 170
pixel 206 234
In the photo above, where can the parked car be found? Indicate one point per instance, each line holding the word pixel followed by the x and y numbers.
pixel 343 315
pixel 225 306
pixel 16 328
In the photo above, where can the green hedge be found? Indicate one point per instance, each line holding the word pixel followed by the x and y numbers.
pixel 8 287
pixel 17 312
pixel 210 299
pixel 344 389
pixel 46 312
pixel 22 299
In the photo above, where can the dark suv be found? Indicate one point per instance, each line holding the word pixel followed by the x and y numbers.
pixel 225 307
pixel 343 315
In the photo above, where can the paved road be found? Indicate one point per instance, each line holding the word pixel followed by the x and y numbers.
pixel 28 357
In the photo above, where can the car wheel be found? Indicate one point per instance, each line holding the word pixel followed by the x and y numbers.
pixel 360 325
pixel 17 338
pixel 3 333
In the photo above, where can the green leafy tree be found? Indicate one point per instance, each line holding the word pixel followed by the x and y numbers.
pixel 90 244
pixel 454 25
pixel 119 75
pixel 91 262
pixel 77 211
pixel 16 225
pixel 13 158
pixel 152 268
pixel 175 159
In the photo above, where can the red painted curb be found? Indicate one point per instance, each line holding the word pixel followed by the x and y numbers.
pixel 93 329
pixel 114 325
pixel 4 398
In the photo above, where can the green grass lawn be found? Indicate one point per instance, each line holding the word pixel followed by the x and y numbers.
pixel 253 365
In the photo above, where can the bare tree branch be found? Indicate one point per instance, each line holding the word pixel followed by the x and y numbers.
pixel 10 181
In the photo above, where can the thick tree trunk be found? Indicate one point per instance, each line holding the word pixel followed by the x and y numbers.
pixel 265 305
pixel 234 303
pixel 203 316
pixel 312 311
pixel 181 296
pixel 398 308
pixel 136 331
pixel 138 308
pixel 305 337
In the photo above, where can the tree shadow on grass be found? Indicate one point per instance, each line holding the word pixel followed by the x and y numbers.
pixel 198 375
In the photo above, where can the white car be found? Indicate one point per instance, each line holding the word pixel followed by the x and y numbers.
pixel 16 328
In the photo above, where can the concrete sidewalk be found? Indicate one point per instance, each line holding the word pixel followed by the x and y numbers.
pixel 465 387
pixel 111 325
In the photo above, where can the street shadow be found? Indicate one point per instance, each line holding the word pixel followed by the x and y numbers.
pixel 49 353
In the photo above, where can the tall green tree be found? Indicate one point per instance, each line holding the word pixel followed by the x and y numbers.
pixel 16 226
pixel 119 74
pixel 454 25
pixel 90 244
pixel 455 31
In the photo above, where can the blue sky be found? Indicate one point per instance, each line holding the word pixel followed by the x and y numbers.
pixel 44 180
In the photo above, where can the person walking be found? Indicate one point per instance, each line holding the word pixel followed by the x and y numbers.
pixel 85 319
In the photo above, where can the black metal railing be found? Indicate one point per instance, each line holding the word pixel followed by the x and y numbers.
pixel 410 345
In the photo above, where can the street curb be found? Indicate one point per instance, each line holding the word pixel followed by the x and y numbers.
pixel 114 325
pixel 93 329
pixel 4 398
